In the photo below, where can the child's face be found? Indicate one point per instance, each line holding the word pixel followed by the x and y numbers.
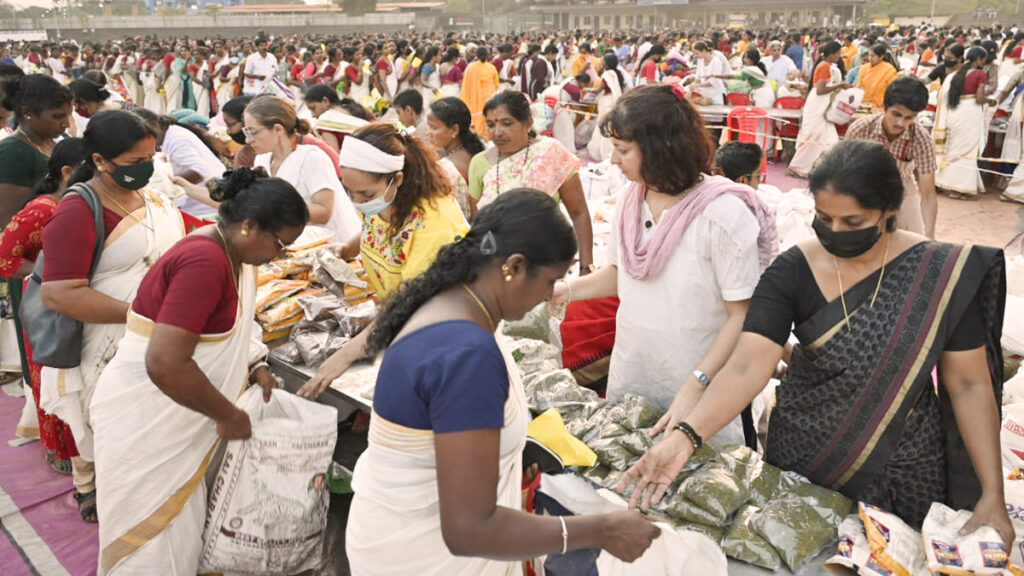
pixel 753 179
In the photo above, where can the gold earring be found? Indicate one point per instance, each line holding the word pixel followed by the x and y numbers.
pixel 245 232
pixel 508 275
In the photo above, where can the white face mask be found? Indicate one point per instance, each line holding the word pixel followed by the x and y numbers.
pixel 378 204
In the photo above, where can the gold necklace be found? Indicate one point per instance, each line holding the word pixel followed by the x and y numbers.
pixel 479 303
pixel 842 292
pixel 29 141
pixel 231 261
pixel 127 212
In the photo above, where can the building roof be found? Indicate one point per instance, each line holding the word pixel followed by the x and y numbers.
pixel 309 8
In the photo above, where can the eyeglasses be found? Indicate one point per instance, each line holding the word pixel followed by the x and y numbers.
pixel 249 133
pixel 281 246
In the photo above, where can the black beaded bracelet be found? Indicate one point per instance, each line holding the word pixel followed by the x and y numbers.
pixel 691 434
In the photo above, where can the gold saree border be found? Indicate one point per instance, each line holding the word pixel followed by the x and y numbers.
pixel 395 436
pixel 144 327
pixel 151 527
pixel 127 223
pixel 908 382
pixel 827 336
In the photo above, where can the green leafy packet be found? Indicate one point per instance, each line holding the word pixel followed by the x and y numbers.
pixel 795 529
pixel 742 543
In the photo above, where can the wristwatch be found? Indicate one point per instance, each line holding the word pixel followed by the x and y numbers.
pixel 703 378
pixel 589 268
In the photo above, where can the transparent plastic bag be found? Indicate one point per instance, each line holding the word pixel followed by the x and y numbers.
pixel 795 529
pixel 742 543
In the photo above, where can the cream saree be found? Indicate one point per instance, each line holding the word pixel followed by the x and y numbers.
pixel 129 251
pixel 152 453
pixel 959 134
pixel 394 525
pixel 817 134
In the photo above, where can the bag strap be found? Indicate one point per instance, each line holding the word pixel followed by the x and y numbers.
pixel 92 199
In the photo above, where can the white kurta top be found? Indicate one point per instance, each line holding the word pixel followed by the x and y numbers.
pixel 667 323
pixel 310 170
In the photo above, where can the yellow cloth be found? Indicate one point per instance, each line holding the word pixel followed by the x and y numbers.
pixel 849 53
pixel 549 430
pixel 479 83
pixel 390 260
pixel 741 47
pixel 874 80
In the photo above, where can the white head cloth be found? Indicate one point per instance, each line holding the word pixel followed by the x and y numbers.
pixel 362 155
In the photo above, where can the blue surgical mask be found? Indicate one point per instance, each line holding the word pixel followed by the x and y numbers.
pixel 378 204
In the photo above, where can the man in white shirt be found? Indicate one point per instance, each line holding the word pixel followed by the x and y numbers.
pixel 259 69
pixel 191 159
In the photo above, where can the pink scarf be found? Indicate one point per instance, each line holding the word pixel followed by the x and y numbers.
pixel 642 262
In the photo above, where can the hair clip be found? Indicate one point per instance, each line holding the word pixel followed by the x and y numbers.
pixel 489 245
pixel 679 91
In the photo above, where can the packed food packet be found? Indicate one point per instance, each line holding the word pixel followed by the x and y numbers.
pixel 853 550
pixel 947 552
pixel 897 547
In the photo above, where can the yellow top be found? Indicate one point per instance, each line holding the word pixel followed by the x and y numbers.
pixel 391 260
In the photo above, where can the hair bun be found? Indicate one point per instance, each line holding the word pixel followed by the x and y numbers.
pixel 9 89
pixel 233 182
pixel 302 127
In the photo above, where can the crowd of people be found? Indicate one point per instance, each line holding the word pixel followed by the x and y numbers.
pixel 155 175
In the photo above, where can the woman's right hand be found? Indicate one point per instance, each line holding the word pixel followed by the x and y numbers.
pixel 627 535
pixel 656 470
pixel 237 426
pixel 329 371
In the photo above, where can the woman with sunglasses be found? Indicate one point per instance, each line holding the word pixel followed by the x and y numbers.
pixel 409 214
pixel 169 391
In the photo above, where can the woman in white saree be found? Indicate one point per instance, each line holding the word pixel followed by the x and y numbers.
pixel 438 489
pixel 961 128
pixel 612 86
pixel 817 134
pixel 139 227
pixel 151 72
pixel 169 392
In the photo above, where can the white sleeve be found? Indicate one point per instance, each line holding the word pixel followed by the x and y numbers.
pixel 250 66
pixel 318 174
pixel 183 154
pixel 732 232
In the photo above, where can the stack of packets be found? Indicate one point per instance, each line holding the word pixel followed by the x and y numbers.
pixel 757 512
pixel 309 269
pixel 878 543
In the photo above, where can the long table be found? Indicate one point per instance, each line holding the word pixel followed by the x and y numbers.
pixel 773 113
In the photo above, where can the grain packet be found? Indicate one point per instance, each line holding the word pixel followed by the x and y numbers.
pixel 896 546
pixel 947 552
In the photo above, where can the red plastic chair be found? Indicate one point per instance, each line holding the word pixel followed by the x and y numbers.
pixel 751 124
pixel 737 99
pixel 788 128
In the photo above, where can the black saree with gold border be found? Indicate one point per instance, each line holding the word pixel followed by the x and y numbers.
pixel 858 408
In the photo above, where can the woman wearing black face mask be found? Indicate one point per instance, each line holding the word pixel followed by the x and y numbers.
pixel 232 114
pixel 875 310
pixel 138 227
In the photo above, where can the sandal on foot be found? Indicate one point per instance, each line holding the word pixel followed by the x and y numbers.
pixel 62 467
pixel 87 506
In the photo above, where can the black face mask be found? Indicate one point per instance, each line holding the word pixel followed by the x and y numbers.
pixel 848 244
pixel 950 63
pixel 238 137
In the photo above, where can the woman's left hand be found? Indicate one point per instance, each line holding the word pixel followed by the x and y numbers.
pixel 991 511
pixel 265 378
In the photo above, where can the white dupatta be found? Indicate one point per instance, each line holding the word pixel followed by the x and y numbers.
pixel 394 526
pixel 128 253
pixel 152 453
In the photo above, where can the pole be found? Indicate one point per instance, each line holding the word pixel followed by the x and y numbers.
pixel 933 10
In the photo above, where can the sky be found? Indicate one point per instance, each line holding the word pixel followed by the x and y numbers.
pixel 27 3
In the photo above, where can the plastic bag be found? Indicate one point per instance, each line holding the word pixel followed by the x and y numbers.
pixel 641 413
pixel 853 550
pixel 312 236
pixel 319 306
pixel 533 326
pixel 315 347
pixel 831 505
pixel 896 546
pixel 980 552
pixel 554 390
pixel 716 490
pixel 1013 494
pixel 277 290
pixel 844 105
pixel 268 506
pixel 674 553
pixel 742 543
pixel 1011 436
pixel 339 270
pixel 352 319
pixel 796 531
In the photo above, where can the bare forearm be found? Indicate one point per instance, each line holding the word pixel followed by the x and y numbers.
pixel 977 417
pixel 318 213
pixel 584 237
pixel 86 305
pixel 929 206
pixel 514 535
pixel 188 386
pixel 600 284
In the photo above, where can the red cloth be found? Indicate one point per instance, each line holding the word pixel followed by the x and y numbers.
pixel 190 287
pixel 329 71
pixel 191 222
pixel 23 238
pixel 649 70
pixel 384 64
pixel 1016 52
pixel 311 140
pixel 168 58
pixel 70 239
pixel 296 72
pixel 54 434
pixel 974 79
pixel 588 331
pixel 352 71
